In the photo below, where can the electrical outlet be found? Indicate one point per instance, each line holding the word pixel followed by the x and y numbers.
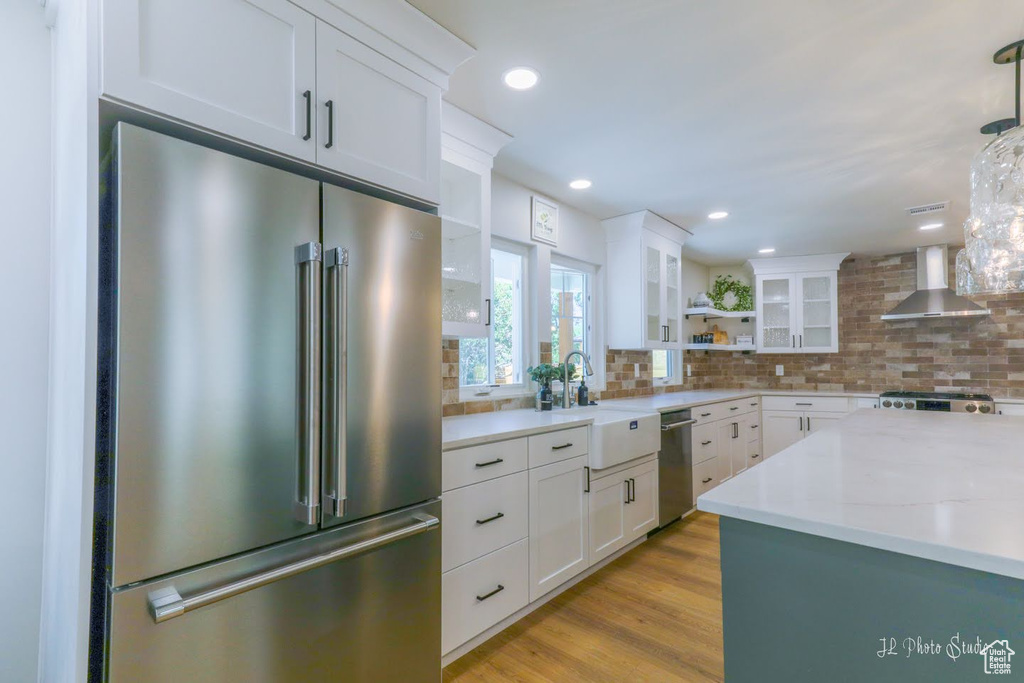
pixel 779 371
pixel 689 370
pixel 636 369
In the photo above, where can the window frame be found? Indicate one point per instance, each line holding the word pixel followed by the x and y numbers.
pixel 593 339
pixel 477 392
pixel 675 364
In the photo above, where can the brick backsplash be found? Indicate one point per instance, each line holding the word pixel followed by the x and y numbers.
pixel 984 354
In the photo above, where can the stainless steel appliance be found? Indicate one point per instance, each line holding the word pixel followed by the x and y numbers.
pixel 269 426
pixel 933 297
pixel 981 404
pixel 675 466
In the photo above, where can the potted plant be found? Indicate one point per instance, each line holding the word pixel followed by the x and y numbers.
pixel 543 375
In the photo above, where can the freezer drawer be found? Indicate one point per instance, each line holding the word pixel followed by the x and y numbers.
pixel 375 616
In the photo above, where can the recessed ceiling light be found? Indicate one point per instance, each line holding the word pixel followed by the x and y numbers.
pixel 718 215
pixel 580 184
pixel 931 226
pixel 520 78
pixel 767 250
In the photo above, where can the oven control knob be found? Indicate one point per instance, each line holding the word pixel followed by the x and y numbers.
pixel 908 404
pixel 985 408
pixel 898 404
pixel 971 408
pixel 887 404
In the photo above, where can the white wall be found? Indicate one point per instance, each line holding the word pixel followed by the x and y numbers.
pixel 25 192
pixel 580 237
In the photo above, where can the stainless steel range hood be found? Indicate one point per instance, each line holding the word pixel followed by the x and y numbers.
pixel 934 298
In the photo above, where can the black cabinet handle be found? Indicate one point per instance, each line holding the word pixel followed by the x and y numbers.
pixel 490 462
pixel 488 302
pixel 490 519
pixel 587 488
pixel 564 445
pixel 735 430
pixel 804 404
pixel 756 455
pixel 734 408
pixel 706 480
pixel 705 414
pixel 753 426
pixel 330 124
pixel 801 341
pixel 626 482
pixel 808 423
pixel 632 490
pixel 704 443
pixel 754 403
pixel 309 115
pixel 497 590
pixel 801 423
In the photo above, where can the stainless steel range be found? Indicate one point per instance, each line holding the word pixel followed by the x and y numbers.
pixel 941 402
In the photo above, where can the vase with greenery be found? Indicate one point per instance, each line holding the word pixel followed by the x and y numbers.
pixel 543 375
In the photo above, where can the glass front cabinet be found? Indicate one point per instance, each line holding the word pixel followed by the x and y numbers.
pixel 797 304
pixel 467 155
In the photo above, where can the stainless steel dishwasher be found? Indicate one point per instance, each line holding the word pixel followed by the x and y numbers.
pixel 675 466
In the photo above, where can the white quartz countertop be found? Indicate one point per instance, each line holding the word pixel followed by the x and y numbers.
pixel 460 431
pixel 941 486
pixel 679 400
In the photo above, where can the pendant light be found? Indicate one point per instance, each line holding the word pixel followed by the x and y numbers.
pixel 992 260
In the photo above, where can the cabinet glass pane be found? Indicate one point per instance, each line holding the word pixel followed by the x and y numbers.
pixel 817 311
pixel 775 323
pixel 652 292
pixel 461 245
pixel 672 297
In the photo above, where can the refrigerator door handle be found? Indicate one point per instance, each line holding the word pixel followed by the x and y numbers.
pixel 336 397
pixel 308 277
pixel 167 603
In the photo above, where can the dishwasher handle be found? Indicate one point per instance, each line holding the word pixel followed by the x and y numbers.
pixel 677 425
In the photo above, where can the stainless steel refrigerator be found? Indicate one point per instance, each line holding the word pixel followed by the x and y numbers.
pixel 269 428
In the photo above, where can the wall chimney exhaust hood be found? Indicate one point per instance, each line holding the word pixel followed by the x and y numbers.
pixel 934 298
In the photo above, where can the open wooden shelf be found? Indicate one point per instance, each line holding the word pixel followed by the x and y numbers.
pixel 711 313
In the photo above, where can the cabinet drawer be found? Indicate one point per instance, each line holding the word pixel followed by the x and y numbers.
pixel 753 429
pixel 705 442
pixel 483 517
pixel 705 476
pixel 706 413
pixel 831 404
pixel 478 595
pixel 740 406
pixel 471 465
pixel 557 446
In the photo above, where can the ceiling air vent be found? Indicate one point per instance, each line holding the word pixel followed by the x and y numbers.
pixel 927 208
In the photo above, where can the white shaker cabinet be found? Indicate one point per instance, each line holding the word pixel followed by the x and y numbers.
pixel 788 419
pixel 559 524
pixel 644 267
pixel 642 510
pixel 607 516
pixel 377 120
pixel 797 304
pixel 238 67
pixel 467 155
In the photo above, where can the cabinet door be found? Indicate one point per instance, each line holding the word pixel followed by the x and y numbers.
pixel 754 455
pixel 818 329
pixel 673 298
pixel 653 292
pixel 559 524
pixel 780 430
pixel 236 67
pixel 607 516
pixel 814 422
pixel 465 246
pixel 379 122
pixel 738 444
pixel 642 510
pixel 725 448
pixel 776 329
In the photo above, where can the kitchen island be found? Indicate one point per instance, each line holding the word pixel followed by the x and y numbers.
pixel 885 548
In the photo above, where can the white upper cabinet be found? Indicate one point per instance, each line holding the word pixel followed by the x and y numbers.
pixel 378 121
pixel 238 67
pixel 797 304
pixel 467 154
pixel 644 266
pixel 313 80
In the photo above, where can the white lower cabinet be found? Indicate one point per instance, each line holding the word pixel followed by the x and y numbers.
pixel 482 518
pixel 725 439
pixel 481 593
pixel 705 476
pixel 781 429
pixel 788 419
pixel 642 510
pixel 559 524
pixel 607 516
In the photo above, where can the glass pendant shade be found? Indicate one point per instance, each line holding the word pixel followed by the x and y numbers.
pixel 992 260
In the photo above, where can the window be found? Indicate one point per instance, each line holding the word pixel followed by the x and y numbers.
pixel 665 366
pixel 498 358
pixel 570 313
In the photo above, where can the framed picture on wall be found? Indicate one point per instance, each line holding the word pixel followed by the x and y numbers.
pixel 544 227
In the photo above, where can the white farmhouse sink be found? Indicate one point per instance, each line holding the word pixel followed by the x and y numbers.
pixel 618 436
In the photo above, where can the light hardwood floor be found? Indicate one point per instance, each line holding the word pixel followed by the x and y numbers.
pixel 655 614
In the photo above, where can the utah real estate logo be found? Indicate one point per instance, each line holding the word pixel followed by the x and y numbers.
pixel 997 657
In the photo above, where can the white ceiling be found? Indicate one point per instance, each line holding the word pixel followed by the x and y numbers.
pixel 815 124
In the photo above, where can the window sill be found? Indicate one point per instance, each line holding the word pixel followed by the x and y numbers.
pixel 470 394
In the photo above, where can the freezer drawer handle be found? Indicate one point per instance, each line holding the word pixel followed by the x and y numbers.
pixel 677 425
pixel 494 592
pixel 308 281
pixel 496 461
pixel 336 396
pixel 490 519
pixel 168 603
